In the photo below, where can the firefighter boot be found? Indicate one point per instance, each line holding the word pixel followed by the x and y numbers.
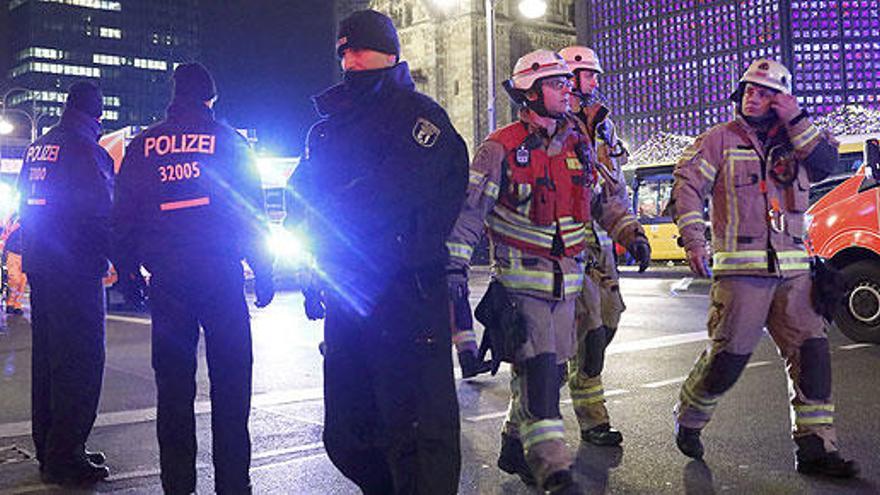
pixel 688 441
pixel 512 459
pixel 812 458
pixel 561 483
pixel 602 435
pixel 471 365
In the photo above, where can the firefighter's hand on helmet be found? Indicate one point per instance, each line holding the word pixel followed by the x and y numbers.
pixel 698 259
pixel 785 106
pixel 641 251
pixel 264 288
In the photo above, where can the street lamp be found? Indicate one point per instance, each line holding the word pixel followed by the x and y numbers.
pixel 531 9
pixel 6 127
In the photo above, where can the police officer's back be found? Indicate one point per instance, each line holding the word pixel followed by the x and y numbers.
pixel 189 207
pixel 66 184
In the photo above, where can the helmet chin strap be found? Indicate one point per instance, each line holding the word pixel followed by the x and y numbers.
pixel 539 108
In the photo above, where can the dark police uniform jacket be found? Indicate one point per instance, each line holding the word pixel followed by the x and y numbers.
pixel 66 187
pixel 188 189
pixel 382 183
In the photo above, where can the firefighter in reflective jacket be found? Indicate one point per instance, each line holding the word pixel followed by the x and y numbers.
pixel 599 305
pixel 530 186
pixel 189 207
pixel 757 171
pixel 16 283
pixel 66 184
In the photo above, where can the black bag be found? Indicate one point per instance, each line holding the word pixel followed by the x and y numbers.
pixel 504 323
pixel 829 287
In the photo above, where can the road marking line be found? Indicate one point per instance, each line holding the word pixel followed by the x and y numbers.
pixel 656 343
pixel 681 379
pixel 663 383
pixel 129 319
pixel 501 414
pixel 757 364
pixel 850 347
pixel 117 418
pixel 291 450
pixel 149 473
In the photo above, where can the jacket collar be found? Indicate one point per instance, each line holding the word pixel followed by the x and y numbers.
pixel 189 110
pixel 80 123
pixel 362 88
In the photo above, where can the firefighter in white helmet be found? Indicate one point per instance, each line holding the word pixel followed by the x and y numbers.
pixel 530 186
pixel 599 304
pixel 757 171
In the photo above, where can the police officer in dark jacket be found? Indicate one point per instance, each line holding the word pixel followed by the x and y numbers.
pixel 383 183
pixel 66 186
pixel 189 207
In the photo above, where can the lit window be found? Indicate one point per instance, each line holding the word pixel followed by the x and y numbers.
pixel 40 52
pixel 150 64
pixel 102 59
pixel 89 4
pixel 110 115
pixel 109 32
pixel 62 69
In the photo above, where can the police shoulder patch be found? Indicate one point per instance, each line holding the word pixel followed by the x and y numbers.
pixel 425 133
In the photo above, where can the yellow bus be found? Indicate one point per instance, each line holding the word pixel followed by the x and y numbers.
pixel 652 188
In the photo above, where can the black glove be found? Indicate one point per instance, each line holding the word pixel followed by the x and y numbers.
pixel 457 285
pixel 641 251
pixel 264 287
pixel 314 304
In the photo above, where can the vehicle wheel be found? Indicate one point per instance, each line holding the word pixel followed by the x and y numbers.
pixel 859 317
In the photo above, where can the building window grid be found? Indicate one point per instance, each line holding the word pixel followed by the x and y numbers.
pixel 50 68
pixel 731 34
pixel 40 52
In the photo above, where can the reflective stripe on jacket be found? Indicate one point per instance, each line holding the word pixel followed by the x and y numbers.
pixel 757 224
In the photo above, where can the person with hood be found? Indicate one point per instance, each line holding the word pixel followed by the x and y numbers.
pixel 380 187
pixel 66 186
pixel 599 304
pixel 756 170
pixel 189 207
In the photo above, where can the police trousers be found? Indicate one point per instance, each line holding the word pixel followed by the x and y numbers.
pixel 741 307
pixel 67 366
pixel 533 415
pixel 391 410
pixel 184 296
pixel 597 314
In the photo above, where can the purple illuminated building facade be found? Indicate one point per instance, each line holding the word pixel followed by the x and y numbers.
pixel 671 64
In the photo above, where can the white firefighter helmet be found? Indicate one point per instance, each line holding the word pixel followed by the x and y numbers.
pixel 537 65
pixel 581 57
pixel 769 73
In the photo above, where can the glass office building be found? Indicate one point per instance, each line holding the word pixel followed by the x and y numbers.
pixel 128 47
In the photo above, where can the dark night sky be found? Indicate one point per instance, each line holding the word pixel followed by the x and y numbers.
pixel 268 58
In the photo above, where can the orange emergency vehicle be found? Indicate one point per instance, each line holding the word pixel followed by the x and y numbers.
pixel 843 226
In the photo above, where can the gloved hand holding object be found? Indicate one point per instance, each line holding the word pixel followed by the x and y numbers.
pixel 640 249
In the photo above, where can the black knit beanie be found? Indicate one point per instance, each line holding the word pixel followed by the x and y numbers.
pixel 368 29
pixel 193 81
